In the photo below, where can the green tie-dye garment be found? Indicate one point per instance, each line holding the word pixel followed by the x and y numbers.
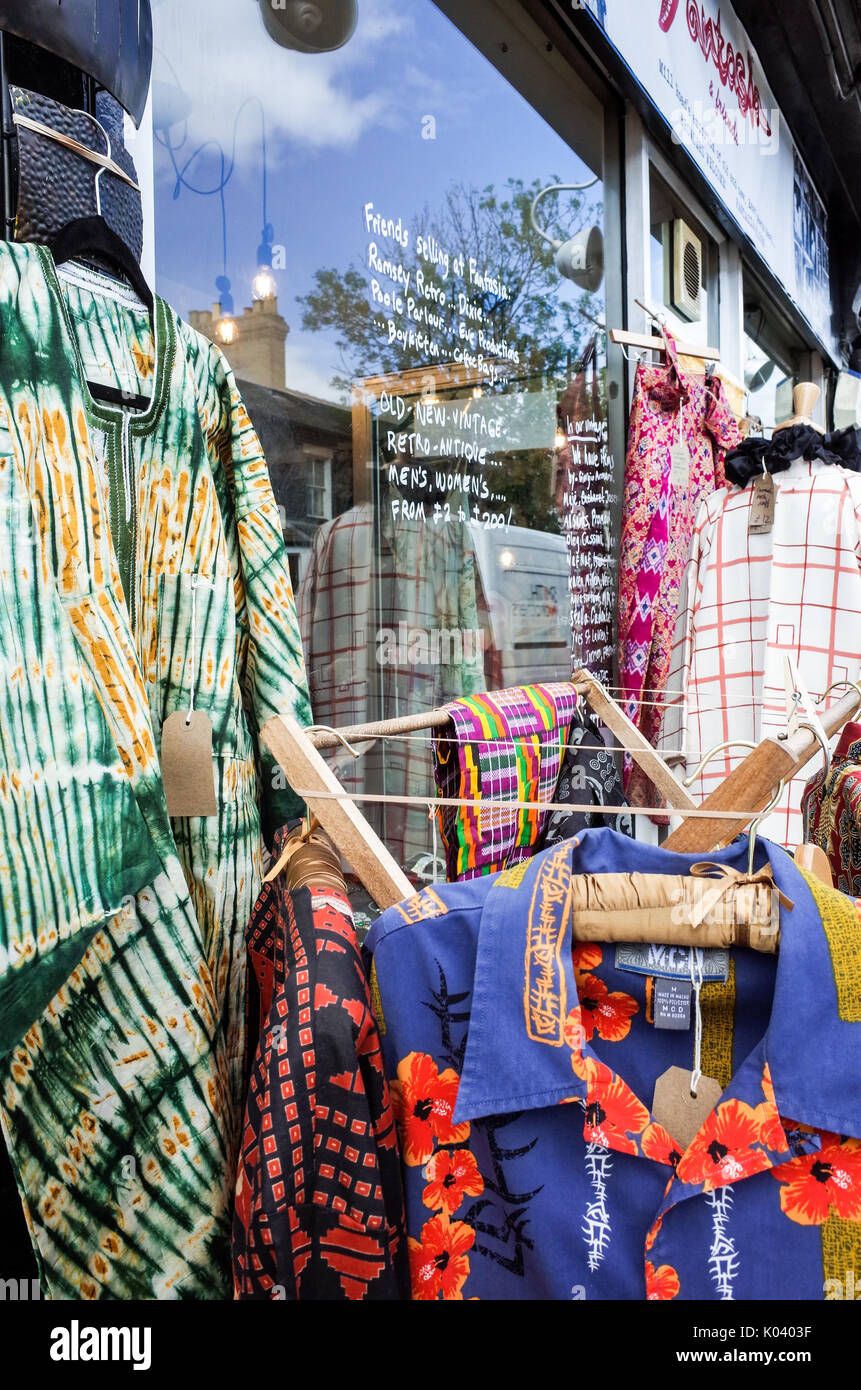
pixel 121 932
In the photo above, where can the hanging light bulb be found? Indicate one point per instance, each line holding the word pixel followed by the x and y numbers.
pixel 263 285
pixel 225 327
pixel 561 438
pixel 226 330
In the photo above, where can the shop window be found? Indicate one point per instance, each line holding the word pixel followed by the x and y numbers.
pixel 772 355
pixel 318 488
pixel 404 262
pixel 683 267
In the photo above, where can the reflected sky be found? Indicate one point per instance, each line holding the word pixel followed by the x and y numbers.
pixel 341 129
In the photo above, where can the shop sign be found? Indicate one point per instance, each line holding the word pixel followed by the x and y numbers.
pixel 696 65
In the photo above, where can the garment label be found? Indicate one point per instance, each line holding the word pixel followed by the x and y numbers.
pixel 761 518
pixel 186 764
pixel 672 962
pixel 680 467
pixel 681 1114
pixel 672 1003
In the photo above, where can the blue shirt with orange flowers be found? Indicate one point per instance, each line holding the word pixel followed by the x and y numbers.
pixel 523 1067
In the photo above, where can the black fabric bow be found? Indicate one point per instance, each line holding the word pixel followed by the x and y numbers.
pixel 754 455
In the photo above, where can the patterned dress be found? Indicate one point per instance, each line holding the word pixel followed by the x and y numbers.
pixel 749 601
pixel 658 519
pixel 141 562
pixel 831 806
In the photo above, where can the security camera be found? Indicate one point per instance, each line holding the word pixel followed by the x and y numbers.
pixel 310 26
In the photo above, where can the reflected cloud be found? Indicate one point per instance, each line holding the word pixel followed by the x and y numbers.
pixel 319 101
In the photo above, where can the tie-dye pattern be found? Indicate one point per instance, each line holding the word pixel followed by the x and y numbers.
pixel 121 932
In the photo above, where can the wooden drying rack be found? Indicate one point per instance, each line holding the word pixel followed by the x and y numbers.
pixel 750 785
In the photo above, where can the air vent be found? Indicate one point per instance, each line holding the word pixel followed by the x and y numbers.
pixel 686 297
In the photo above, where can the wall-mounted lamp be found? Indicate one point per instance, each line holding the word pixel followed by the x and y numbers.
pixel 581 258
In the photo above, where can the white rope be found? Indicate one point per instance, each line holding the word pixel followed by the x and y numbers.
pixel 696 960
pixel 500 807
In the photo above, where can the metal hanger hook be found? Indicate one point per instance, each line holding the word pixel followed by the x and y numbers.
pixel 327 729
pixel 835 685
pixel 718 748
pixel 823 744
pixel 556 188
pixel 754 827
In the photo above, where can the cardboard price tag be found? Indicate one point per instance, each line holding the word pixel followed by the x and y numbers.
pixel 762 507
pixel 186 764
pixel 681 1114
pixel 680 467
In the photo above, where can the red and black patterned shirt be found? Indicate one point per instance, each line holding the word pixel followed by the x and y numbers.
pixel 319 1201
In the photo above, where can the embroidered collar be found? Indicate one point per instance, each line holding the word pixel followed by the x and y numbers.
pixel 525 973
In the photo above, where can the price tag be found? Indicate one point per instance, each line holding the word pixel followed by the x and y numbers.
pixel 761 518
pixel 681 1114
pixel 186 764
pixel 680 467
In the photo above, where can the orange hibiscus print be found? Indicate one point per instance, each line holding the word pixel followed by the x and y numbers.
pixel 723 1151
pixel 816 1184
pixel 656 1143
pixel 423 1100
pixel 585 956
pixel 438 1262
pixel 607 1014
pixel 661 1283
pixel 654 1233
pixel 452 1175
pixel 612 1112
pixel 771 1131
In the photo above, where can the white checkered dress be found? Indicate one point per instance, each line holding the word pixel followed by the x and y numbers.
pixel 748 601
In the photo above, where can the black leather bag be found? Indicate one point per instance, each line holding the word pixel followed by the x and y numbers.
pixel 56 184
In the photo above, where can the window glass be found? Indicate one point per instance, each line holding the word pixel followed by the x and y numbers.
pixel 683 268
pixel 416 317
pixel 771 355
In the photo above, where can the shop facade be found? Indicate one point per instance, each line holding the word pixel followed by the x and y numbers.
pixel 385 217
pixel 477 330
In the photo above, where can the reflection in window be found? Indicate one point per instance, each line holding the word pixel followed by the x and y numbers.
pixel 429 388
pixel 768 374
pixel 318 489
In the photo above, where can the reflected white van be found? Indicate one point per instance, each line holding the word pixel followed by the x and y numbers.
pixel 524 574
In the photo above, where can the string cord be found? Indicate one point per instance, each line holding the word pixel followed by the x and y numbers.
pixel 696 964
pixel 501 808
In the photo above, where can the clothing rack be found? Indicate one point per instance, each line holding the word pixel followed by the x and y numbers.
pixel 751 785
pixel 753 782
pixel 601 702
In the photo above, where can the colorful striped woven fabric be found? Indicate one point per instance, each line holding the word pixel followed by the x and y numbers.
pixel 499 748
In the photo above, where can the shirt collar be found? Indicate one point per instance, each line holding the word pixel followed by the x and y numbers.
pixel 517 1056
